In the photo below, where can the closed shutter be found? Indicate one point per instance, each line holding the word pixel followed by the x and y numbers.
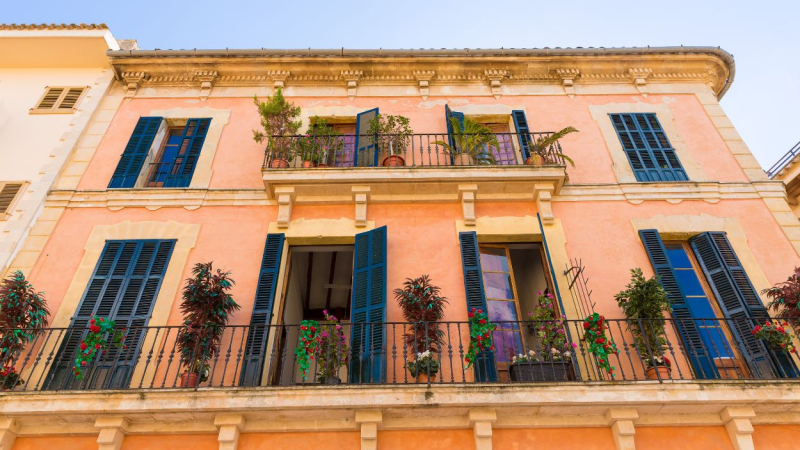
pixel 50 99
pixel 701 360
pixel 739 302
pixel 123 288
pixel 523 133
pixel 368 314
pixel 366 149
pixel 258 335
pixel 132 159
pixel 70 100
pixel 8 193
pixel 649 152
pixel 194 134
pixel 448 116
pixel 485 369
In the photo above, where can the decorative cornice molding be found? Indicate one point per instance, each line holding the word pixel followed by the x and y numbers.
pixel 495 77
pixel 568 77
pixel 279 78
pixel 639 76
pixel 424 78
pixel 206 79
pixel 132 82
pixel 351 77
pixel 53 26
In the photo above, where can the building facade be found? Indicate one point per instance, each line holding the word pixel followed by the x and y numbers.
pixel 310 224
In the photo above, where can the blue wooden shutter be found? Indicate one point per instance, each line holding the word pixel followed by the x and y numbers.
pixel 523 133
pixel 368 308
pixel 123 288
pixel 194 134
pixel 740 302
pixel 260 320
pixel 701 360
pixel 448 116
pixel 366 149
pixel 132 159
pixel 485 369
pixel 648 150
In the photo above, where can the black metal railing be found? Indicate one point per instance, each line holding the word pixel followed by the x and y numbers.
pixel 392 353
pixel 784 161
pixel 415 150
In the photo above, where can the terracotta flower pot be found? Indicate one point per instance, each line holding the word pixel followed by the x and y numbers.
pixel 279 163
pixel 535 160
pixel 658 373
pixel 394 161
pixel 307 164
pixel 322 165
pixel 423 378
pixel 462 159
pixel 188 380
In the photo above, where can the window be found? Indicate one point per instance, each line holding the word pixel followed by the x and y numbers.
pixel 9 191
pixel 649 152
pixel 59 100
pixel 161 153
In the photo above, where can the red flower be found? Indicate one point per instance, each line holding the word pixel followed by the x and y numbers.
pixel 91 321
pixel 471 315
pixel 83 345
pixel 586 325
pixel 491 348
pixel 98 346
pixel 482 321
pixel 83 363
pixel 599 340
pixel 480 311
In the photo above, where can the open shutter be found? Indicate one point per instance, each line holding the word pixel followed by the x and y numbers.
pixel 648 150
pixel 368 315
pixel 701 360
pixel 485 369
pixel 194 134
pixel 523 133
pixel 132 159
pixel 260 320
pixel 366 148
pixel 448 116
pixel 740 302
pixel 123 288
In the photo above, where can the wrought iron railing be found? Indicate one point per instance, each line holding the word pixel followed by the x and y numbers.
pixel 784 161
pixel 381 353
pixel 414 150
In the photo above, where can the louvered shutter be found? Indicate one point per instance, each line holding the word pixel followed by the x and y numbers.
pixel 258 335
pixel 649 152
pixel 7 195
pixel 132 159
pixel 50 99
pixel 194 134
pixel 448 116
pixel 698 353
pixel 70 100
pixel 368 308
pixel 485 369
pixel 123 288
pixel 366 154
pixel 523 133
pixel 739 302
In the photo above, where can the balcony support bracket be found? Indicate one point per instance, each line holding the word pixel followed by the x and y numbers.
pixel 621 422
pixel 466 193
pixel 230 427
pixel 369 421
pixel 206 79
pixel 351 77
pixel 8 432
pixel 543 194
pixel 361 196
pixel 285 196
pixel 481 420
pixel 112 432
pixel 568 77
pixel 639 77
pixel 740 430
pixel 424 79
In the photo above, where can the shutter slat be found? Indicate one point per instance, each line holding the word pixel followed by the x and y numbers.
pixel 70 100
pixel 523 133
pixel 50 99
pixel 649 152
pixel 132 159
pixel 194 135
pixel 7 196
pixel 366 153
pixel 485 369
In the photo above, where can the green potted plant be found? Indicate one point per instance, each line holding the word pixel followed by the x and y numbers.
pixel 600 345
pixel 23 315
pixel 320 144
pixel 540 153
pixel 423 309
pixel 777 335
pixel 206 307
pixel 280 125
pixel 471 142
pixel 332 350
pixel 644 302
pixel 785 300
pixel 393 137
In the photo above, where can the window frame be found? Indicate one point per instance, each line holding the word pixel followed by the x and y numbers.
pixel 651 152
pixel 55 109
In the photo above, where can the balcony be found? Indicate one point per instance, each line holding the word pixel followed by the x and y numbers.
pixel 267 356
pixel 414 165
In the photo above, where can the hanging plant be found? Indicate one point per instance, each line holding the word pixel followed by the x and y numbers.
pixel 601 346
pixel 95 342
pixel 777 335
pixel 307 346
pixel 480 334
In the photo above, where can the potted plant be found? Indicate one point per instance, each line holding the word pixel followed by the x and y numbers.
pixel 777 335
pixel 278 120
pixel 393 135
pixel 423 309
pixel 23 315
pixel 332 350
pixel 644 302
pixel 480 336
pixel 785 300
pixel 319 143
pixel 206 307
pixel 554 360
pixel 101 331
pixel 471 141
pixel 545 151
pixel 600 345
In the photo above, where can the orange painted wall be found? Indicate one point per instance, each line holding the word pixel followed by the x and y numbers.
pixel 776 437
pixel 427 439
pixel 172 442
pixel 678 438
pixel 56 442
pixel 330 440
pixel 583 438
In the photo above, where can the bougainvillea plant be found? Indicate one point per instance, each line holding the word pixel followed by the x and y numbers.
pixel 307 345
pixel 776 334
pixel 785 299
pixel 551 331
pixel 332 350
pixel 95 342
pixel 480 334
pixel 594 334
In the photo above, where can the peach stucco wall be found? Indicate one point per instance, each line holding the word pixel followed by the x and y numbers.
pixel 238 159
pixel 330 440
pixel 680 438
pixel 427 439
pixel 551 438
pixel 172 442
pixel 776 437
pixel 56 442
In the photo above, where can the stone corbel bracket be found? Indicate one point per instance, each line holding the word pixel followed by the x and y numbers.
pixel 543 195
pixel 568 77
pixel 9 428
pixel 112 432
pixel 230 427
pixel 361 197
pixel 206 79
pixel 737 421
pixel 352 77
pixel 621 422
pixel 279 78
pixel 466 194
pixel 639 77
pixel 369 421
pixel 424 79
pixel 495 77
pixel 132 82
pixel 285 196
pixel 481 420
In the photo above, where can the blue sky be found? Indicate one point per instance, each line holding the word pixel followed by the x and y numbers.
pixel 763 102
